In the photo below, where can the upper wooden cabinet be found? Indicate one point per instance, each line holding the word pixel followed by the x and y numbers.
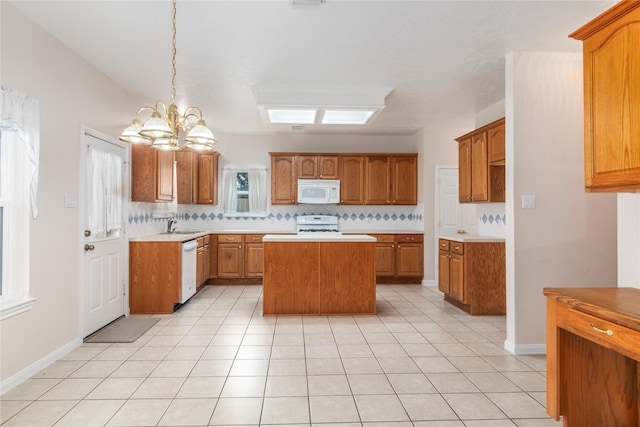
pixel 151 174
pixel 197 177
pixel 612 98
pixel 284 181
pixel 317 167
pixel 370 179
pixel 481 164
pixel 208 178
pixel 352 180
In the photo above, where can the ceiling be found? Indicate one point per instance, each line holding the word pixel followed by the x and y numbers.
pixel 444 60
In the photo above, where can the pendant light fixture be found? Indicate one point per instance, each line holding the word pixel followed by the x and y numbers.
pixel 161 130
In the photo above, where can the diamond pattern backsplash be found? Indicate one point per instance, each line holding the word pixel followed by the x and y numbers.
pixel 149 218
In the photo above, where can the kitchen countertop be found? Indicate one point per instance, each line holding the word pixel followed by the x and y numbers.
pixel 471 238
pixel 316 238
pixel 185 235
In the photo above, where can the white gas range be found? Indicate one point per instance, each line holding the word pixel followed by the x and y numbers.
pixel 317 224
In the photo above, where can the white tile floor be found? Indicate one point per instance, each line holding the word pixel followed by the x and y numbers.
pixel 217 362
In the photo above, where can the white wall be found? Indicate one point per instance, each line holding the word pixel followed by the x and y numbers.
pixel 71 93
pixel 629 240
pixel 569 238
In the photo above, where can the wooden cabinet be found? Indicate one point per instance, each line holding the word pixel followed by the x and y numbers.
pixel 317 167
pixel 326 278
pixel 154 276
pixel 253 255
pixel 481 166
pixel 352 180
pixel 187 177
pixel 391 180
pixel 239 257
pixel 197 177
pixel 372 179
pixel 203 260
pixel 284 180
pixel 611 98
pixel 399 258
pixel 213 256
pixel 151 174
pixel 593 356
pixel 230 256
pixel 472 275
pixel 208 179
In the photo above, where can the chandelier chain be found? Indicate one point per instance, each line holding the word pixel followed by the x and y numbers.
pixel 173 57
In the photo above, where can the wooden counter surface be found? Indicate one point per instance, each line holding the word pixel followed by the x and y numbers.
pixel 593 356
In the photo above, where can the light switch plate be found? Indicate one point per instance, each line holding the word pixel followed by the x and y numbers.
pixel 528 202
pixel 70 201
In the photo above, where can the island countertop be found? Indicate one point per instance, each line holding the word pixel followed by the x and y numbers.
pixel 318 238
pixel 471 238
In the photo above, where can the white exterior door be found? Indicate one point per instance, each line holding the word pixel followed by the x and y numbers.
pixel 453 215
pixel 103 203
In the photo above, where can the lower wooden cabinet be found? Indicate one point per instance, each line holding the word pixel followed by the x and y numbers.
pixel 238 259
pixel 202 261
pixel 472 275
pixel 230 256
pixel 399 258
pixel 253 255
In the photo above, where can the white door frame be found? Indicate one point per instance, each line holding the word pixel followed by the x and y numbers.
pixel 126 182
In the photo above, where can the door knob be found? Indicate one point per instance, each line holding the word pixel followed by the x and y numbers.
pixel 87 233
pixel 89 247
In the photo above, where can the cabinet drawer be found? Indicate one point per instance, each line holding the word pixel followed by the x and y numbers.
pixel 230 238
pixel 608 334
pixel 443 244
pixel 200 242
pixel 253 238
pixel 457 248
pixel 383 238
pixel 206 239
pixel 409 238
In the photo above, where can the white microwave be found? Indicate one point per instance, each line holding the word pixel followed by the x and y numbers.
pixel 319 191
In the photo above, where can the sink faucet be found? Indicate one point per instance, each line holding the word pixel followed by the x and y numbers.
pixel 171 225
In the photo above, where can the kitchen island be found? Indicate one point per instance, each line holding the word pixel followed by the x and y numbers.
pixel 319 275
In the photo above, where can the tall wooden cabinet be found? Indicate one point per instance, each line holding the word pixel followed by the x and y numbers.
pixel 612 98
pixel 197 177
pixel 481 164
pixel 151 174
pixel 352 180
pixel 284 180
pixel 208 179
pixel 472 275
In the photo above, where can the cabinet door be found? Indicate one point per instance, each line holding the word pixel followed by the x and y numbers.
pixel 612 97
pixel 230 260
pixel 457 277
pixel 409 259
pixel 213 256
pixel 284 184
pixel 377 181
pixel 352 180
pixel 200 278
pixel 479 168
pixel 385 259
pixel 187 177
pixel 307 167
pixel 444 281
pixel 404 180
pixel 208 179
pixel 328 167
pixel 254 260
pixel 151 174
pixel 464 171
pixel 495 136
pixel 207 262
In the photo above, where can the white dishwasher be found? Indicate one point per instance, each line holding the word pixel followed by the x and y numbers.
pixel 189 266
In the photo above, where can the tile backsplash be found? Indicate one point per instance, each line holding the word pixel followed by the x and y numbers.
pixel 149 218
pixel 491 219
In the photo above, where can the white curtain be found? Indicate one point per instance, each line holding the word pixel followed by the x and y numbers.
pixel 230 190
pixel 258 191
pixel 104 191
pixel 21 115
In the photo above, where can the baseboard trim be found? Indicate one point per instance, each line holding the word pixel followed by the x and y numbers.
pixel 429 283
pixel 36 367
pixel 520 349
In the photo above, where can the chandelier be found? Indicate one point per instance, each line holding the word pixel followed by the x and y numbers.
pixel 161 130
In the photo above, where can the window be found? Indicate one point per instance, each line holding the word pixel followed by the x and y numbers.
pixel 244 192
pixel 19 152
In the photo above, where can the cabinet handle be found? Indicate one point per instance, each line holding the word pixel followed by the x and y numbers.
pixel 239 246
pixel 412 238
pixel 602 331
pixel 456 248
pixel 256 238
pixel 230 239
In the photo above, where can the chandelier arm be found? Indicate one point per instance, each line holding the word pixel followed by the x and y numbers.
pixel 145 108
pixel 188 113
pixel 164 107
